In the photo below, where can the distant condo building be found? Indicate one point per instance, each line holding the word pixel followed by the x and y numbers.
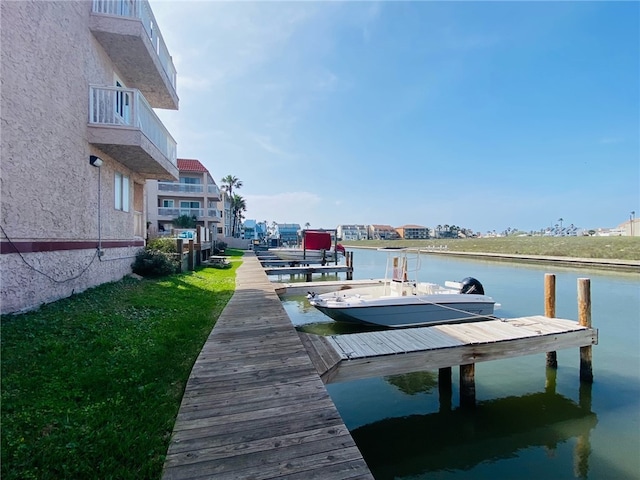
pixel 195 194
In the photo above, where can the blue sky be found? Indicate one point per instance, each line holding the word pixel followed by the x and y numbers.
pixel 485 115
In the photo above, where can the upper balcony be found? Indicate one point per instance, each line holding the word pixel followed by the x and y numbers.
pixel 123 125
pixel 128 32
pixel 189 189
pixel 209 214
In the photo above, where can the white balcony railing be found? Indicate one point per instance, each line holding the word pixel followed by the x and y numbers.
pixel 141 10
pixel 199 213
pixel 118 106
pixel 177 187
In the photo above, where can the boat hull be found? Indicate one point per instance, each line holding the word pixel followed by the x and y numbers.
pixel 378 305
pixel 411 315
pixel 299 255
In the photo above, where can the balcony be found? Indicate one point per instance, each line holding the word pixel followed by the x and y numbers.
pixel 213 192
pixel 128 32
pixel 123 125
pixel 169 213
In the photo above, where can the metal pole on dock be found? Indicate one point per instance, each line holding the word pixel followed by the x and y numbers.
pixel 550 311
pixel 584 318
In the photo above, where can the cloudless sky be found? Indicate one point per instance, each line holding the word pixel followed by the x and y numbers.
pixel 484 115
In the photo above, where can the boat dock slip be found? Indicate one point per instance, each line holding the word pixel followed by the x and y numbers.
pixel 309 270
pixel 341 358
pixel 254 406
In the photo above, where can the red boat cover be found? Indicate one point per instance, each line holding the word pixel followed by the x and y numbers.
pixel 316 240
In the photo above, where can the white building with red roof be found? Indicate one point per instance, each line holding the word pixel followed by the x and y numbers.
pixel 194 194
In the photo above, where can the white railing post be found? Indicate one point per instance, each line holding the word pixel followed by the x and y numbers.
pixel 103 110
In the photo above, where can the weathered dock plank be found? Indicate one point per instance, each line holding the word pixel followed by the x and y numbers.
pixel 254 406
pixel 390 352
pixel 307 270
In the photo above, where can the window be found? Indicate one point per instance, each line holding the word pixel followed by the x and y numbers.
pixel 167 203
pixel 190 208
pixel 121 192
pixel 191 180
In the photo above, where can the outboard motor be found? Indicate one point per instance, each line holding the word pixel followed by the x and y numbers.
pixel 471 285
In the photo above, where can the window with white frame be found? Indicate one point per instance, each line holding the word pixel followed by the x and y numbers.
pixel 121 192
pixel 167 203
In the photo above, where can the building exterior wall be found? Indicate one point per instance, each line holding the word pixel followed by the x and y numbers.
pixel 382 232
pixel 209 203
pixel 413 232
pixel 57 209
pixel 352 232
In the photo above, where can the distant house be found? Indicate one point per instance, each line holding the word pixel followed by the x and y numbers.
pixel 287 233
pixel 195 194
pixel 352 232
pixel 382 232
pixel 250 230
pixel 80 138
pixel 413 232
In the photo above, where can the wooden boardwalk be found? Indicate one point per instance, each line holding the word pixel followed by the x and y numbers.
pixel 373 354
pixel 254 406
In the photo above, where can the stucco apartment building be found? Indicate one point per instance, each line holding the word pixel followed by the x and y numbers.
pixel 352 232
pixel 382 232
pixel 194 194
pixel 413 232
pixel 80 138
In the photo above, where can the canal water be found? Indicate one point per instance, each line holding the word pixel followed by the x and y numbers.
pixel 529 422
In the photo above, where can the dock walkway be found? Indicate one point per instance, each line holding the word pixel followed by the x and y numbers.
pixel 254 405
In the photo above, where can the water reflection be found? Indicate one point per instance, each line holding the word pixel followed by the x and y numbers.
pixel 529 442
pixel 414 383
pixel 461 439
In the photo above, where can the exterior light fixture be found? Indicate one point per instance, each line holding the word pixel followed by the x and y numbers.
pixel 95 161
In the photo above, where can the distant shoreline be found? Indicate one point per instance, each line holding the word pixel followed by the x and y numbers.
pixel 597 263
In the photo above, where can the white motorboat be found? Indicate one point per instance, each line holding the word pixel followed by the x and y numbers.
pixel 398 301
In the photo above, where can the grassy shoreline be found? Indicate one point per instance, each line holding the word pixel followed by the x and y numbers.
pixel 91 384
pixel 612 248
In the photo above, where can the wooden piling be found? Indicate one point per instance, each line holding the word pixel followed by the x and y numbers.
pixel 550 311
pixel 190 266
pixel 349 260
pixel 584 318
pixel 445 391
pixel 467 385
pixel 180 250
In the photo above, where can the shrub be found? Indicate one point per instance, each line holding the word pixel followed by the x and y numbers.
pixel 166 245
pixel 154 263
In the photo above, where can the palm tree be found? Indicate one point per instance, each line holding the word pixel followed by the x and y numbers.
pixel 229 183
pixel 238 206
pixel 307 225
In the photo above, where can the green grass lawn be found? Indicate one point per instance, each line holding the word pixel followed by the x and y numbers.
pixel 91 384
pixel 620 248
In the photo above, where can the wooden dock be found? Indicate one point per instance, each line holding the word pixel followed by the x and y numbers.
pixel 308 270
pixel 339 358
pixel 254 406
